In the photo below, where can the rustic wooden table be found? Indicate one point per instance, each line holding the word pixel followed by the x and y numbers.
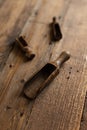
pixel 61 105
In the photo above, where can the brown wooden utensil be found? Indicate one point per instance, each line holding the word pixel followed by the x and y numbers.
pixel 25 47
pixel 41 79
pixel 55 31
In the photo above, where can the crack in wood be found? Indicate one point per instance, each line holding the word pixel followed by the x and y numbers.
pixel 83 124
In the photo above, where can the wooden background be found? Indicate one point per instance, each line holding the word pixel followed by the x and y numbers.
pixel 63 104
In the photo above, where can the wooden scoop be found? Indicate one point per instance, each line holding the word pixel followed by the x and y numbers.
pixel 55 31
pixel 25 47
pixel 41 79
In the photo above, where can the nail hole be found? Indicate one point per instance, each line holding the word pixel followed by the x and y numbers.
pixel 77 70
pixel 70 72
pixel 21 114
pixel 11 65
pixel 8 107
pixel 68 77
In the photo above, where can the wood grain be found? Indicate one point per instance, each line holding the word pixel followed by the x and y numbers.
pixel 13 16
pixel 58 107
pixel 11 86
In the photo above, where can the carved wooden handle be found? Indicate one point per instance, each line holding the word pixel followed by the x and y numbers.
pixel 64 56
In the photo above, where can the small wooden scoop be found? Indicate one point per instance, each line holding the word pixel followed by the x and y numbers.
pixel 25 47
pixel 56 33
pixel 41 79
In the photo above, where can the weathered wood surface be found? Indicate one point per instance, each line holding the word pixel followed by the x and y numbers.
pixel 13 16
pixel 60 105
pixel 10 91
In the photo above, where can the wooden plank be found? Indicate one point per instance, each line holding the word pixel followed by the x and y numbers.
pixel 11 97
pixel 59 107
pixel 13 16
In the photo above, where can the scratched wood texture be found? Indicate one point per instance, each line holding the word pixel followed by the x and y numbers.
pixel 60 105
pixel 13 16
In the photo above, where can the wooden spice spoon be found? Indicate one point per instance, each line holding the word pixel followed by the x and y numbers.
pixel 42 78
